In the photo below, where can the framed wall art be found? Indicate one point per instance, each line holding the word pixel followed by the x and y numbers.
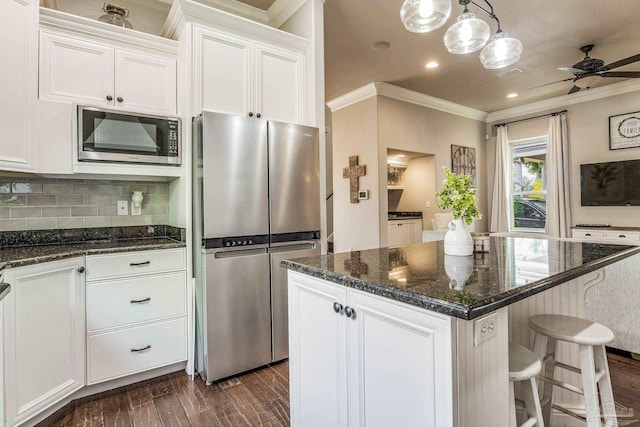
pixel 624 131
pixel 463 161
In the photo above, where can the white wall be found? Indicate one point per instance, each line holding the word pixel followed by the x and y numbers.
pixel 411 127
pixel 356 225
pixel 420 186
pixel 588 129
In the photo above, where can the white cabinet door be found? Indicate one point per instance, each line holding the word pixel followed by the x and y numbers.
pixel 223 72
pixel 279 84
pixel 317 353
pixel 18 44
pixel 404 232
pixel 145 82
pixel 72 69
pixel 43 336
pixel 400 365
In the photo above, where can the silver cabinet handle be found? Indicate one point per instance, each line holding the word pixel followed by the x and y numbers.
pixel 119 99
pixel 138 264
pixel 337 307
pixel 138 350
pixel 587 234
pixel 140 301
pixel 349 312
pixel 109 98
pixel 622 235
pixel 80 269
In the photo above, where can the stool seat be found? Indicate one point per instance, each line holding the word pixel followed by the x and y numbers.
pixel 571 329
pixel 523 363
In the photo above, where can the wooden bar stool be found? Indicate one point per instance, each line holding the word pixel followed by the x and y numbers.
pixel 591 338
pixel 524 366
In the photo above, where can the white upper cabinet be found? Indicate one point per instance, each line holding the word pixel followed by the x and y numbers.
pixel 279 84
pixel 93 73
pixel 239 75
pixel 223 73
pixel 18 43
pixel 145 82
pixel 77 70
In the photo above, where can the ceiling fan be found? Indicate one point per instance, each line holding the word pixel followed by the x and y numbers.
pixel 588 72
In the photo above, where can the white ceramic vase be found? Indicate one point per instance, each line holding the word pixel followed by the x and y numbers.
pixel 457 240
pixel 459 269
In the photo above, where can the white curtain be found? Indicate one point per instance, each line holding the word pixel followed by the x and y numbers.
pixel 558 203
pixel 500 199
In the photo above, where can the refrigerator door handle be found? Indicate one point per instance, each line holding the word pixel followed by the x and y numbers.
pixel 294 247
pixel 240 253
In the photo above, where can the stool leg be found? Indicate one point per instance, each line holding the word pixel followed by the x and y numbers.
pixel 588 369
pixel 531 402
pixel 512 406
pixel 546 346
pixel 606 394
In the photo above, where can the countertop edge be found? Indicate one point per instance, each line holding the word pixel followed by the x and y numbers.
pixel 5 288
pixel 66 252
pixel 451 309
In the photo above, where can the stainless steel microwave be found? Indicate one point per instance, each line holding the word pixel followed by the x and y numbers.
pixel 117 136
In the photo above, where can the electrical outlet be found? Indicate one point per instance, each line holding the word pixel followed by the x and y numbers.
pixel 123 207
pixel 485 329
pixel 428 203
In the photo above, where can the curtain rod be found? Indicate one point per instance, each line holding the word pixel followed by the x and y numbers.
pixel 531 118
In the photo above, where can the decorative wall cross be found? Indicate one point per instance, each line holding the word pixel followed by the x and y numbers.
pixel 353 172
pixel 355 266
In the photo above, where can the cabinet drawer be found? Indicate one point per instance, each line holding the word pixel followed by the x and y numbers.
pixel 134 263
pixel 113 354
pixel 587 233
pixel 629 235
pixel 121 302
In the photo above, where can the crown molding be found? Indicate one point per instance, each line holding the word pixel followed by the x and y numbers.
pixel 215 19
pixel 281 10
pixel 417 98
pixel 626 86
pixel 353 97
pixel 94 29
pixel 406 95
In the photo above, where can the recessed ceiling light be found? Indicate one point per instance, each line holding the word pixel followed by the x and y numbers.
pixel 381 45
pixel 432 64
pixel 512 95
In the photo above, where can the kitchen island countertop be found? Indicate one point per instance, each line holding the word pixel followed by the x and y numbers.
pixel 463 287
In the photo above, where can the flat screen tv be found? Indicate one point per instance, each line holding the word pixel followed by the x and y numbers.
pixel 610 184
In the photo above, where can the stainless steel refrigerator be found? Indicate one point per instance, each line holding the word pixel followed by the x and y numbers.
pixel 256 202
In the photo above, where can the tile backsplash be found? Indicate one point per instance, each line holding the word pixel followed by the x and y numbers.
pixel 42 203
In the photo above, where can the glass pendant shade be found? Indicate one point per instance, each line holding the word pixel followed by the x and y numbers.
pixel 467 35
pixel 115 15
pixel 501 51
pixel 422 16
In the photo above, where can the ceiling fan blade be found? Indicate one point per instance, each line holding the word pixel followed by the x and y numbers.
pixel 573 90
pixel 572 70
pixel 552 83
pixel 616 64
pixel 629 74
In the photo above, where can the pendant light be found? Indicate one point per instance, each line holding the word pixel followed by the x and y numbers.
pixel 501 51
pixel 422 16
pixel 467 35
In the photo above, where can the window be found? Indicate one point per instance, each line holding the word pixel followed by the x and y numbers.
pixel 528 189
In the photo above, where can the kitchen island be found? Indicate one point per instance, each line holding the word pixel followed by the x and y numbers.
pixel 409 336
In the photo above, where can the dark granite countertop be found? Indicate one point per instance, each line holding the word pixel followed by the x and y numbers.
pixel 463 287
pixel 5 288
pixel 31 247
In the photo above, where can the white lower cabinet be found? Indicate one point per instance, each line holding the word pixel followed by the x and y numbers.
pixel 404 232
pixel 359 359
pixel 606 234
pixel 136 312
pixel 44 331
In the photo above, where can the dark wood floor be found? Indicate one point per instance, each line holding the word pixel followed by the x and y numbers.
pixel 260 398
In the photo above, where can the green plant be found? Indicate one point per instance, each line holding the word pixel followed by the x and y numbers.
pixel 456 194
